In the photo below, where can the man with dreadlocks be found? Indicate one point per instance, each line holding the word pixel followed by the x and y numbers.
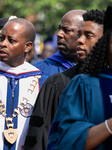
pixel 49 96
pixel 85 120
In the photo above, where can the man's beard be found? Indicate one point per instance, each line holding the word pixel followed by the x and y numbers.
pixel 81 60
pixel 64 53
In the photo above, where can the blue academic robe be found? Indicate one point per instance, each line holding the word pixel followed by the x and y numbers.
pixel 81 107
pixel 54 64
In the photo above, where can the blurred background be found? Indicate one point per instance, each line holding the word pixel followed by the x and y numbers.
pixel 46 15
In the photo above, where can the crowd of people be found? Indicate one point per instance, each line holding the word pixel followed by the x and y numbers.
pixel 64 100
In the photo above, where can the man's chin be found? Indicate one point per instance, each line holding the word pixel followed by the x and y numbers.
pixel 64 53
pixel 81 60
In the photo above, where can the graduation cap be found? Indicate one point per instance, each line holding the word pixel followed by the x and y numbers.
pixel 3 22
pixel 108 19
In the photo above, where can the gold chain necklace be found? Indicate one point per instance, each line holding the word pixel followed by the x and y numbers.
pixel 10 134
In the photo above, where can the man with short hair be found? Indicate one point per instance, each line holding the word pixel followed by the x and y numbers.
pixel 20 82
pixel 49 96
pixel 66 57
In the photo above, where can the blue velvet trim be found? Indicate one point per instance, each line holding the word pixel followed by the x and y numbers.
pixel 21 75
pixel 60 59
pixel 10 106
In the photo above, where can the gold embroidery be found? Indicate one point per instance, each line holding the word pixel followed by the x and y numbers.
pixel 11 134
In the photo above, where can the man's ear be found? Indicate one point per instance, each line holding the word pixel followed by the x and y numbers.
pixel 28 46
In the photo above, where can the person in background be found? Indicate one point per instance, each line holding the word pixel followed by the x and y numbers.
pixel 48 50
pixel 35 53
pixel 85 120
pixel 20 82
pixel 66 43
pixel 2 23
pixel 4 20
pixel 30 57
pixel 49 96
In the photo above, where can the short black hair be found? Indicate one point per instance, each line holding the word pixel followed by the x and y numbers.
pixel 95 16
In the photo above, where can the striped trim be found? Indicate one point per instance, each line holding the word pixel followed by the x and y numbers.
pixel 20 75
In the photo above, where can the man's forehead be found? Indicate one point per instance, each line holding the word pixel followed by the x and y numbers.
pixel 68 25
pixel 89 25
pixel 13 26
pixel 13 31
pixel 73 22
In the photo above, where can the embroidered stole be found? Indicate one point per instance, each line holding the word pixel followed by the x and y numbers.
pixel 10 106
pixel 25 79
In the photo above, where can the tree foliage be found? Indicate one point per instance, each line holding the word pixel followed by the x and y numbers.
pixel 47 12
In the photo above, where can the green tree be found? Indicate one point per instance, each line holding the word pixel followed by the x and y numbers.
pixel 47 12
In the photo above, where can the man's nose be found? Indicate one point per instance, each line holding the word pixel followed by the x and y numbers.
pixel 81 40
pixel 3 43
pixel 60 33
